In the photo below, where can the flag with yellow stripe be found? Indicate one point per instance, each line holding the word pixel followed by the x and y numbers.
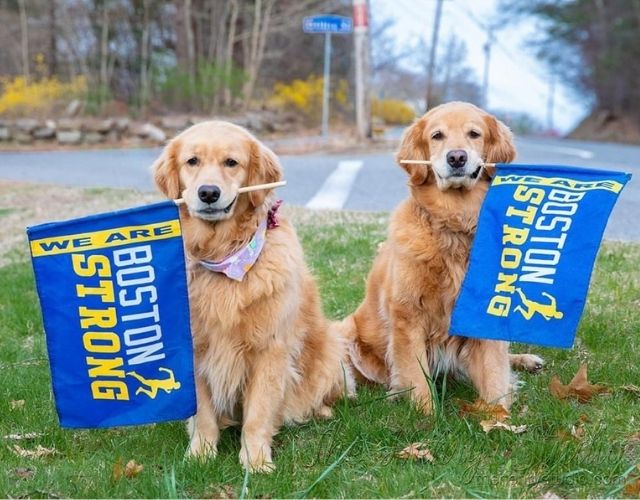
pixel 113 294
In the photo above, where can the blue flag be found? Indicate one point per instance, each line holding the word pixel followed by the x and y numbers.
pixel 114 301
pixel 538 235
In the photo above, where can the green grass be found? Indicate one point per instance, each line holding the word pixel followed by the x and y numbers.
pixel 352 455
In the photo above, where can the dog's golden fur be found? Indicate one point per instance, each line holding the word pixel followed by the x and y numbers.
pixel 264 353
pixel 402 325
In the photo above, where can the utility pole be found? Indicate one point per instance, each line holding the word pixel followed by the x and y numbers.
pixel 361 47
pixel 487 63
pixel 551 103
pixel 325 81
pixel 432 55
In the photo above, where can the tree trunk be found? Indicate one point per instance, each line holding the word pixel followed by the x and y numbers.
pixel 191 56
pixel 24 39
pixel 258 38
pixel 104 54
pixel 144 57
pixel 53 39
pixel 228 60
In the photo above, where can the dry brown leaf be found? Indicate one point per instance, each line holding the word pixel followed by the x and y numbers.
pixel 630 388
pixel 523 411
pixel 39 452
pixel 117 471
pixel 550 495
pixel 578 432
pixel 17 403
pixel 130 470
pixel 480 408
pixel 632 488
pixel 579 388
pixel 20 437
pixel 222 491
pixel 489 425
pixel 23 472
pixel 416 451
pixel 634 438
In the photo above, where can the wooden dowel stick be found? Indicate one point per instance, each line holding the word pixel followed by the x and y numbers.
pixel 258 187
pixel 248 189
pixel 427 162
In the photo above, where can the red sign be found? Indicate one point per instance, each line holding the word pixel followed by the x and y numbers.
pixel 360 15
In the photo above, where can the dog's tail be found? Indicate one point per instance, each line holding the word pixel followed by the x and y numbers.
pixel 366 365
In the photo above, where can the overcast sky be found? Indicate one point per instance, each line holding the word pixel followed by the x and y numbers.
pixel 517 80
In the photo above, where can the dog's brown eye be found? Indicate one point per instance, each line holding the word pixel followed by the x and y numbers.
pixel 473 134
pixel 438 136
pixel 230 162
pixel 193 161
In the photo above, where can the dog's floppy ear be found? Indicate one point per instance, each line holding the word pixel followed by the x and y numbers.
pixel 165 171
pixel 264 167
pixel 414 146
pixel 499 146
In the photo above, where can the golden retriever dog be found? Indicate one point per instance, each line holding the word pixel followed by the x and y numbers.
pixel 402 326
pixel 265 355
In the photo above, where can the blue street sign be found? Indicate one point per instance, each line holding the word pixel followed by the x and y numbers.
pixel 327 24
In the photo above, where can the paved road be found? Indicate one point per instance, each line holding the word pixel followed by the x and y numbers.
pixel 352 182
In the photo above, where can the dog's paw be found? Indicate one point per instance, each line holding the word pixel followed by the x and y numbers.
pixel 201 449
pixel 423 401
pixel 527 362
pixel 324 412
pixel 258 462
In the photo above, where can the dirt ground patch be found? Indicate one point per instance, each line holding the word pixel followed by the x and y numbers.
pixel 23 204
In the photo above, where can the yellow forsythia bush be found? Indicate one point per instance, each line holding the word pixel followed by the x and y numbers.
pixel 305 96
pixel 19 96
pixel 392 111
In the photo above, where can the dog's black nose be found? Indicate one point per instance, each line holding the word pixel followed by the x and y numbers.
pixel 457 158
pixel 209 194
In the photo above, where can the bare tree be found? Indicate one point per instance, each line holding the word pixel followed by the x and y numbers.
pixel 24 39
pixel 257 41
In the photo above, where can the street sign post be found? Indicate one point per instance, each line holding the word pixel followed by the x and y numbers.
pixel 328 24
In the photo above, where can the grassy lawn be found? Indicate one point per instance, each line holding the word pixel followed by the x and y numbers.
pixel 353 455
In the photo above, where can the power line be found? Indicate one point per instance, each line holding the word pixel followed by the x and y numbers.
pixel 541 80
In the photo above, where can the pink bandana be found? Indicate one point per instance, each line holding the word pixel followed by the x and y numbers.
pixel 236 265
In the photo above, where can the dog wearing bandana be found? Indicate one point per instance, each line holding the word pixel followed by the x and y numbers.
pixel 265 355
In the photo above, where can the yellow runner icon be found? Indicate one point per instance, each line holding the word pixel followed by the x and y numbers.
pixel 547 311
pixel 155 385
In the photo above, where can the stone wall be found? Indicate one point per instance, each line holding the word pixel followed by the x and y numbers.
pixel 92 131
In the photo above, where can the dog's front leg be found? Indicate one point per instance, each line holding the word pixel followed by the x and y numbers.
pixel 262 407
pixel 490 371
pixel 409 364
pixel 203 427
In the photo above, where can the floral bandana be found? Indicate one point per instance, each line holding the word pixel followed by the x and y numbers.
pixel 236 265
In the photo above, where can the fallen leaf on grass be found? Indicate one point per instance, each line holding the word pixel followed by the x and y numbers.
pixel 39 452
pixel 480 408
pixel 579 387
pixel 523 411
pixel 550 495
pixel 23 472
pixel 20 437
pixel 489 425
pixel 130 470
pixel 632 488
pixel 634 389
pixel 416 451
pixel 634 438
pixel 578 432
pixel 223 491
pixel 17 403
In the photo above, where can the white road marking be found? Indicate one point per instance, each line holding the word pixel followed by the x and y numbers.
pixel 585 154
pixel 336 188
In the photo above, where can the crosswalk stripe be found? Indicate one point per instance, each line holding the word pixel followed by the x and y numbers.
pixel 336 188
